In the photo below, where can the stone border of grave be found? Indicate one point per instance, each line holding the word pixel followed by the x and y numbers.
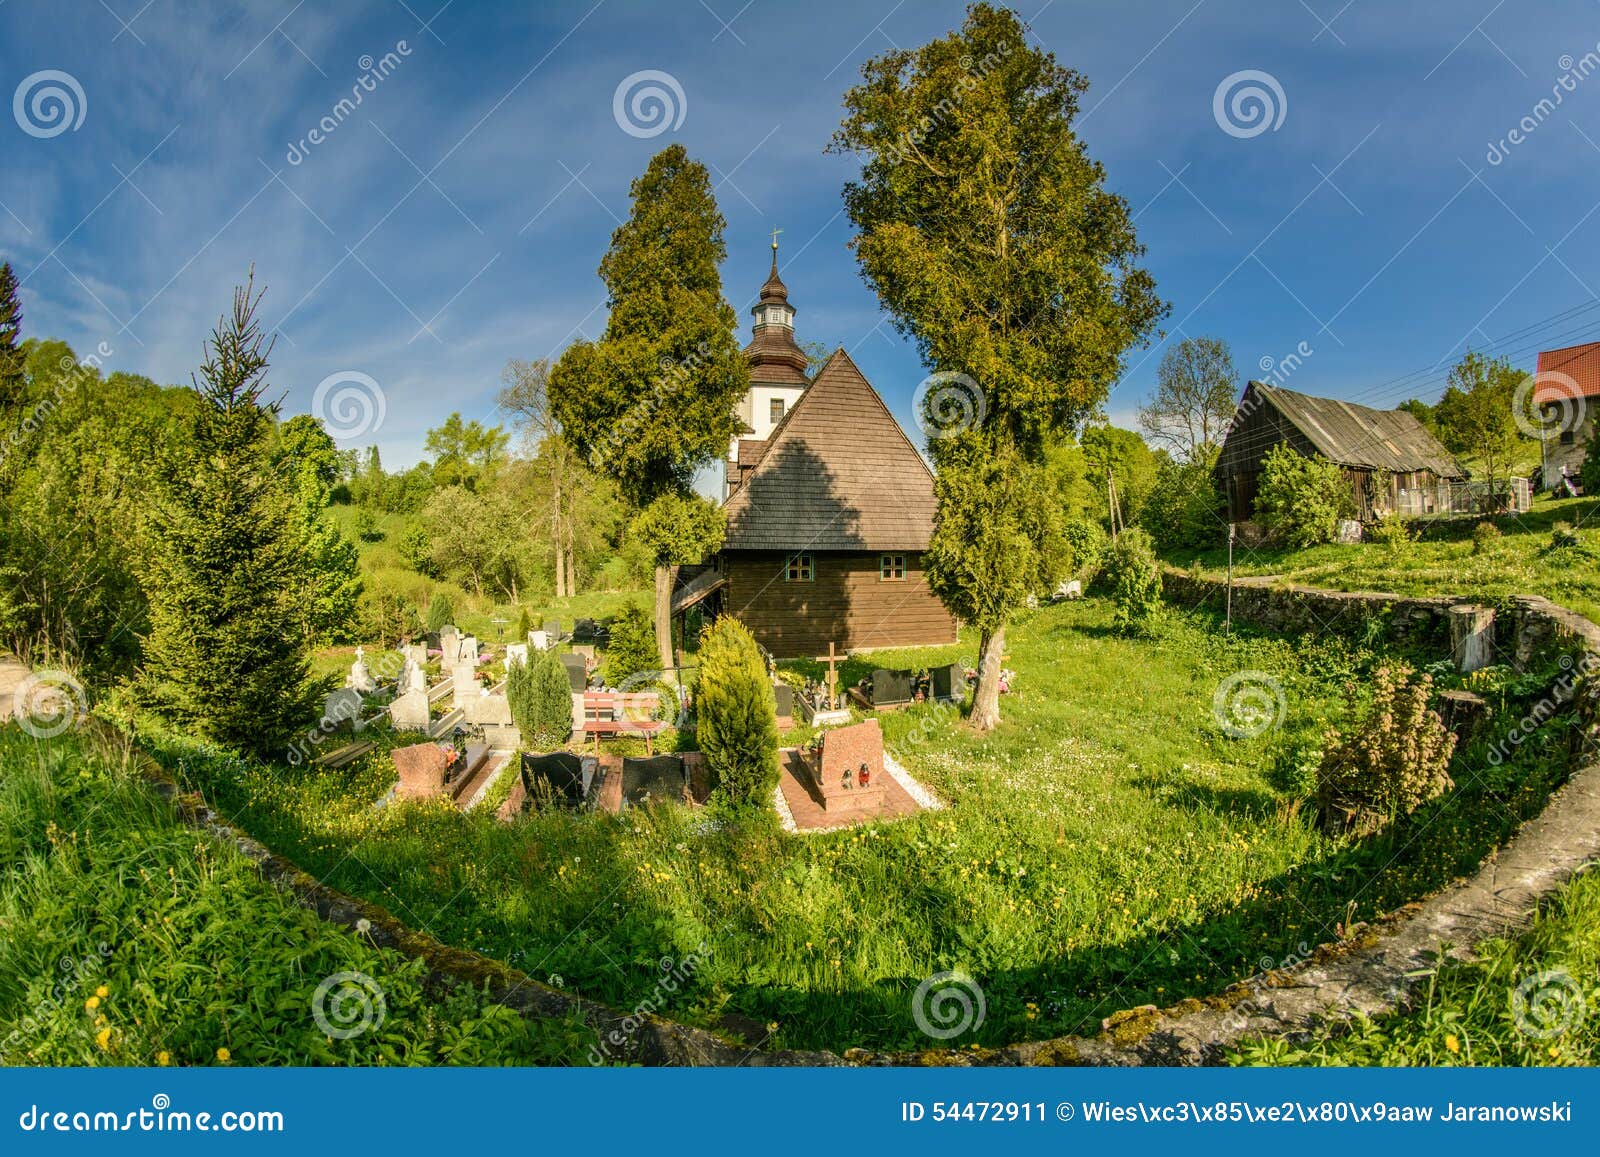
pixel 1375 969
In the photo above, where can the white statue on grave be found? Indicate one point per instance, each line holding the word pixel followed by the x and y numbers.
pixel 360 678
pixel 413 678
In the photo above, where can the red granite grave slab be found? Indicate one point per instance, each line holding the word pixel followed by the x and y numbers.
pixel 421 769
pixel 809 815
pixel 848 776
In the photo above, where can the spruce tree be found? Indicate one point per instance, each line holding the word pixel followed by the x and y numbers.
pixel 226 655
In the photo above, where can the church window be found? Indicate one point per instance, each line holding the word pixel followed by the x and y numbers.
pixel 891 567
pixel 775 411
pixel 802 569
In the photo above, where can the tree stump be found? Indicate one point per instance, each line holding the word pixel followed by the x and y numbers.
pixel 1471 637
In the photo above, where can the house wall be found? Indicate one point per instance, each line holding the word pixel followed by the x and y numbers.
pixel 846 604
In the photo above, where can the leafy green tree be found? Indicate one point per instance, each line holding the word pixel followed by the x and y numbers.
pixel 11 356
pixel 1196 390
pixel 1184 510
pixel 540 698
pixel 332 575
pixel 1422 412
pixel 987 232
pixel 653 400
pixel 1301 500
pixel 736 715
pixel 1121 466
pixel 677 530
pixel 631 649
pixel 1476 416
pixel 226 563
pixel 464 453
pixel 440 612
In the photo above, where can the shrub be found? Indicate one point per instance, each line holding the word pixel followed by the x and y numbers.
pixel 440 613
pixel 1301 499
pixel 1135 580
pixel 1562 536
pixel 632 646
pixel 1396 760
pixel 736 715
pixel 1088 543
pixel 1391 531
pixel 1183 512
pixel 1484 536
pixel 524 624
pixel 540 698
pixel 1589 471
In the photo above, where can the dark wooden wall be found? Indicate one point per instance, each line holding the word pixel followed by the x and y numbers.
pixel 847 604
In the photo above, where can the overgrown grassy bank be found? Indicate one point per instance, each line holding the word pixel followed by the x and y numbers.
pixel 128 939
pixel 1108 846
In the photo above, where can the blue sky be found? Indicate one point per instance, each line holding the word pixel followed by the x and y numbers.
pixel 455 219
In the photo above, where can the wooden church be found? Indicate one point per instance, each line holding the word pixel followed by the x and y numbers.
pixel 829 507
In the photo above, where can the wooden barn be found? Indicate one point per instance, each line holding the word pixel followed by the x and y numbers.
pixel 1391 460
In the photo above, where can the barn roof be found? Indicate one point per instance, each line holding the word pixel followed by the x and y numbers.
pixel 1359 436
pixel 838 473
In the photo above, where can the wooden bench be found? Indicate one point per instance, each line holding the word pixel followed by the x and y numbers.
pixel 601 711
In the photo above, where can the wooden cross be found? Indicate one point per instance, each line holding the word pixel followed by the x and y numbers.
pixel 830 659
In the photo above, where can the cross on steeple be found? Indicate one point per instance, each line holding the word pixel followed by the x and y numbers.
pixel 775 233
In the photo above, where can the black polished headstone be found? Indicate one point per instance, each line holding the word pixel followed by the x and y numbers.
pixel 890 687
pixel 662 778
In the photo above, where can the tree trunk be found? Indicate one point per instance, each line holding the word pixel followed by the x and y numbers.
pixel 1471 637
pixel 986 699
pixel 666 578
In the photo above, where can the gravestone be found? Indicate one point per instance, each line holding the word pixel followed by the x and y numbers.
pixel 661 778
pixel 408 711
pixel 342 706
pixel 360 678
pixel 561 778
pixel 488 711
pixel 890 688
pixel 784 694
pixel 552 630
pixel 848 769
pixel 449 646
pixel 421 770
pixel 577 671
pixel 539 640
pixel 586 631
pixel 948 682
pixel 469 649
pixel 464 683
pixel 516 653
pixel 417 653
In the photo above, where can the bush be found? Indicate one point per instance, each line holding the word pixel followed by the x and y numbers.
pixel 1396 760
pixel 1135 580
pixel 736 715
pixel 1301 499
pixel 440 613
pixel 1088 542
pixel 1484 536
pixel 540 698
pixel 1562 536
pixel 1391 531
pixel 524 624
pixel 1183 512
pixel 632 648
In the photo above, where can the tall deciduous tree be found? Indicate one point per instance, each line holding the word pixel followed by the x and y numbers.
pixel 653 400
pixel 464 452
pixel 1476 415
pixel 226 564
pixel 525 394
pixel 987 232
pixel 1194 399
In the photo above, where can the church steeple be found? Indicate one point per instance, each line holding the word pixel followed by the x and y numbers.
pixel 773 354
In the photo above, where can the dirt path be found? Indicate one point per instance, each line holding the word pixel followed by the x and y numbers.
pixel 12 675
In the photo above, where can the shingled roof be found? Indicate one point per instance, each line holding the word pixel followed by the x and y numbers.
pixel 838 473
pixel 1359 436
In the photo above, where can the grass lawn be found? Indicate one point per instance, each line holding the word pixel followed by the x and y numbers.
pixel 128 939
pixel 1519 562
pixel 1109 845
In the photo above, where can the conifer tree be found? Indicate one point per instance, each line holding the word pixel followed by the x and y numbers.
pixel 226 655
pixel 653 400
pixel 11 357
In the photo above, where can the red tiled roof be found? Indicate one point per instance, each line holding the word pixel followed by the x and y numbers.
pixel 1567 373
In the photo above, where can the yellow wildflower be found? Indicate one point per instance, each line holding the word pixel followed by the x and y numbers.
pixel 224 1055
pixel 1452 1042
pixel 163 1058
pixel 103 1038
pixel 102 992
pixel 92 1003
